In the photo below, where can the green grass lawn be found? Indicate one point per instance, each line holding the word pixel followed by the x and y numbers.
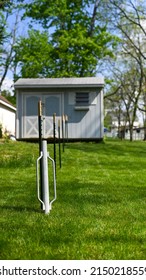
pixel 100 211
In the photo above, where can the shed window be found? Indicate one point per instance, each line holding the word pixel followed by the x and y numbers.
pixel 82 99
pixel 32 105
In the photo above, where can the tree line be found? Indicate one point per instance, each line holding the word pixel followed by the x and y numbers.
pixel 80 38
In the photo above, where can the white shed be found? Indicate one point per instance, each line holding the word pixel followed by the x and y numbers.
pixel 7 116
pixel 81 99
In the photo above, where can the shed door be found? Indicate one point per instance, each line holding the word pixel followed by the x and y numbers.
pixel 31 117
pixel 52 105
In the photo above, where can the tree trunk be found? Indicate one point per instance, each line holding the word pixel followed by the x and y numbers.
pixel 131 132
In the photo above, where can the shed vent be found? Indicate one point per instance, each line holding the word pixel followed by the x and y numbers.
pixel 82 99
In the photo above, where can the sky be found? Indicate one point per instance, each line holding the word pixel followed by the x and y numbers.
pixel 8 84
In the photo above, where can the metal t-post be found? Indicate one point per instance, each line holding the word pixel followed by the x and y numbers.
pixel 66 128
pixel 54 138
pixel 40 142
pixel 63 142
pixel 59 143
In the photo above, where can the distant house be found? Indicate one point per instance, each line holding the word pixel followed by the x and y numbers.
pixel 7 116
pixel 81 99
pixel 123 131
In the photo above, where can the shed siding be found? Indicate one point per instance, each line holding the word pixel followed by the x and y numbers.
pixel 84 123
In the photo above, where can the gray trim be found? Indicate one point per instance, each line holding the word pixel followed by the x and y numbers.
pixel 92 82
pixel 81 108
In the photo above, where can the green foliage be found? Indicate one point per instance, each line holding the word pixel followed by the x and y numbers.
pixel 2 30
pixel 4 3
pixel 100 208
pixel 11 98
pixel 33 54
pixel 6 8
pixel 76 43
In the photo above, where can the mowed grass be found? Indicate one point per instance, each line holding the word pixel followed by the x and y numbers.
pixel 100 211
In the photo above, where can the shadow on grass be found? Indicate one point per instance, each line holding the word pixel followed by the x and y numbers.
pixel 114 148
pixel 20 208
pixel 86 195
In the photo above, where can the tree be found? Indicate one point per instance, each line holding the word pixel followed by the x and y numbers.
pixel 128 18
pixel 125 93
pixel 77 41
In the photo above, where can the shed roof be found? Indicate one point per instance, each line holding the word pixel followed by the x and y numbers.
pixel 60 82
pixel 6 103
